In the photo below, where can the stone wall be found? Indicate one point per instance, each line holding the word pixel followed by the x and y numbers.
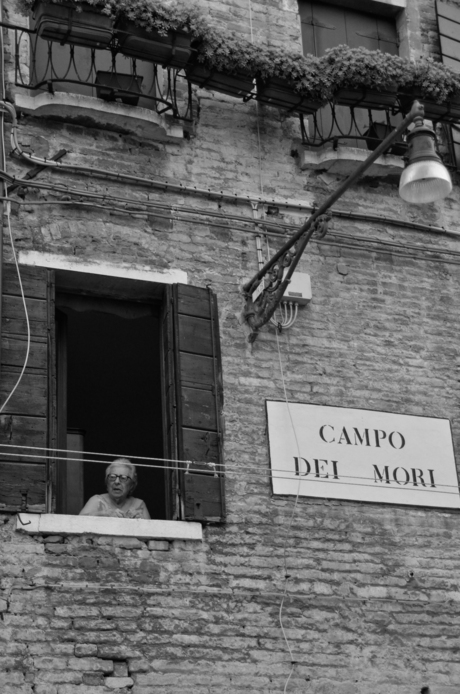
pixel 372 602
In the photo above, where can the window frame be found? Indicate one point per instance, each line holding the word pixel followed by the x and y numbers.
pixel 187 471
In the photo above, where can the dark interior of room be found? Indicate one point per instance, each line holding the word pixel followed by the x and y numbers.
pixel 114 393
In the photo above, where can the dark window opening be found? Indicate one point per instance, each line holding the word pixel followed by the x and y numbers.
pixel 109 395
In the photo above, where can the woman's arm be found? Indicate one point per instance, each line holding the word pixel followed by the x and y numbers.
pixel 93 507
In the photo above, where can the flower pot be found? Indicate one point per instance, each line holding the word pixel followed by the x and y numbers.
pixel 171 50
pixel 377 133
pixel 365 98
pixel 115 85
pixel 62 22
pixel 277 92
pixel 239 85
pixel 447 111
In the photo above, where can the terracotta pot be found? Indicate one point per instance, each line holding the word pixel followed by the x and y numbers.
pixel 277 92
pixel 61 22
pixel 111 86
pixel 171 50
pixel 365 98
pixel 239 85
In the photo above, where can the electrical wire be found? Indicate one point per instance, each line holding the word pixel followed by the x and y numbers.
pixel 10 232
pixel 26 313
pixel 207 192
pixel 291 520
pixel 256 470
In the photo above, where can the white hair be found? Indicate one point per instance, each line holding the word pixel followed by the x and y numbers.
pixel 127 463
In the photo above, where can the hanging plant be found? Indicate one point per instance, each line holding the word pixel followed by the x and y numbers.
pixel 362 69
pixel 102 6
pixel 291 81
pixel 433 81
pixel 374 75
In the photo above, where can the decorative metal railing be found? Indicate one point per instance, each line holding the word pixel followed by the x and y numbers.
pixel 105 73
pixel 366 128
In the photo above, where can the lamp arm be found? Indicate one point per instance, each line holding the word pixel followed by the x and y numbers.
pixel 259 310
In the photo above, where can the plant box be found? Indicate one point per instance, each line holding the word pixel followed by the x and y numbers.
pixel 447 111
pixel 365 98
pixel 277 92
pixel 239 85
pixel 115 85
pixel 61 22
pixel 377 133
pixel 170 50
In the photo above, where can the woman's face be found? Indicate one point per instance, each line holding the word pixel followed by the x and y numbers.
pixel 117 489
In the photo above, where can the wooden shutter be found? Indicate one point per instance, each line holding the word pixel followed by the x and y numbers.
pixel 326 26
pixel 25 420
pixel 449 37
pixel 193 403
pixel 449 34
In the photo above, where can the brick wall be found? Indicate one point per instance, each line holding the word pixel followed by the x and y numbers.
pixel 373 601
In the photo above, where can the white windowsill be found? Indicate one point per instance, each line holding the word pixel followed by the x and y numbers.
pixel 56 524
pixel 344 160
pixel 90 111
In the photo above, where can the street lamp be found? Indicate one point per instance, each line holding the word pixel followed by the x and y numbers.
pixel 425 179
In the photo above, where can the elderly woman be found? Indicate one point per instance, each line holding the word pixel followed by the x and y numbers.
pixel 121 481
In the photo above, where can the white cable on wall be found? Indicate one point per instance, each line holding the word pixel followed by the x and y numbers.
pixel 7 207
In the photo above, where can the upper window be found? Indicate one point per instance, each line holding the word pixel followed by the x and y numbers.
pixel 117 367
pixel 325 26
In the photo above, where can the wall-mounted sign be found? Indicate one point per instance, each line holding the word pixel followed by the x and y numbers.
pixel 361 455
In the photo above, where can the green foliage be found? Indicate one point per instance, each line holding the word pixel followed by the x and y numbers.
pixel 224 51
pixel 360 68
pixel 431 80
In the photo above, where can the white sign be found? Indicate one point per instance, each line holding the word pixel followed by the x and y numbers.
pixel 363 455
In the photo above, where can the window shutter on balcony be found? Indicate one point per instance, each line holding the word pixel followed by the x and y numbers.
pixel 449 38
pixel 25 420
pixel 449 34
pixel 194 402
pixel 326 26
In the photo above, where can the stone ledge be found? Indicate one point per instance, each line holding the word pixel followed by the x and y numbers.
pixel 344 160
pixel 92 112
pixel 56 524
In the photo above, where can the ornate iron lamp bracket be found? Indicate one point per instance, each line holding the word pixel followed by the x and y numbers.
pixel 264 296
pixel 266 289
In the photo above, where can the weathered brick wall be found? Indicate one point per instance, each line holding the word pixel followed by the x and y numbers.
pixel 373 601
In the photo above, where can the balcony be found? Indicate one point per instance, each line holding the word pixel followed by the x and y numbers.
pixel 100 86
pixel 337 135
pixel 105 87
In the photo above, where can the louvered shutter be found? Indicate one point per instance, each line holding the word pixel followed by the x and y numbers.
pixel 193 403
pixel 25 420
pixel 449 34
pixel 449 37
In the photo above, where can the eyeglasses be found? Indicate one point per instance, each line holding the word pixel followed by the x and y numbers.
pixel 122 478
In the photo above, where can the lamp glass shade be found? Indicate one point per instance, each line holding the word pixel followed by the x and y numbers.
pixel 425 181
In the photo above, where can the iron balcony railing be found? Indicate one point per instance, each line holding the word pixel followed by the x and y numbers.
pixel 366 128
pixel 106 73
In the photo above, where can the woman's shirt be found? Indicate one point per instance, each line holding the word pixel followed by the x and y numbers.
pixel 102 505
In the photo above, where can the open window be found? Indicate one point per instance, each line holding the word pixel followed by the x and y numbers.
pixel 116 367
